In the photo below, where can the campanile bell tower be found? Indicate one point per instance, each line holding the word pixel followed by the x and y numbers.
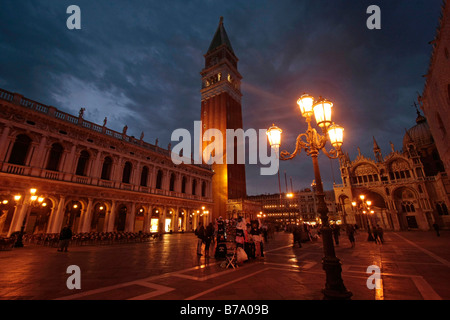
pixel 221 109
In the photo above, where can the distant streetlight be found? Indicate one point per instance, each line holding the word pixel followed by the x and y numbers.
pixel 312 142
pixel 363 206
pixel 32 201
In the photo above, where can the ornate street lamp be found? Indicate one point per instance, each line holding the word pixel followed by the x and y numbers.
pixel 32 201
pixel 312 142
pixel 363 206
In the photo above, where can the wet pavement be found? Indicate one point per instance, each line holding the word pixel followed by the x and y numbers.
pixel 414 266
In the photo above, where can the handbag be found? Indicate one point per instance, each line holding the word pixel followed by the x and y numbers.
pixel 241 256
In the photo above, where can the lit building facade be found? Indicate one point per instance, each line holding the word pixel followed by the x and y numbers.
pixel 408 189
pixel 296 207
pixel 244 207
pixel 90 177
pixel 435 99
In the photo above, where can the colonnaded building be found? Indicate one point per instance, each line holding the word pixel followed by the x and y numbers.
pixel 89 176
pixel 97 179
pixel 408 188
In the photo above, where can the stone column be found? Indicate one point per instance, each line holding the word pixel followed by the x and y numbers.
pixel 147 217
pixel 153 174
pixel 58 220
pixel 87 217
pixel 41 154
pixel 178 182
pixel 51 219
pixel 165 180
pixel 15 226
pixel 68 163
pixel 96 167
pixel 116 172
pixel 188 187
pixel 129 223
pixel 111 217
pixel 162 220
pixel 4 143
pixel 36 156
pixel 135 178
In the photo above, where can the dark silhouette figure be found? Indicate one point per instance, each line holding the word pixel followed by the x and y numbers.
pixel 209 234
pixel 336 233
pixel 297 236
pixel 200 233
pixel 64 238
pixel 436 228
pixel 380 234
pixel 351 235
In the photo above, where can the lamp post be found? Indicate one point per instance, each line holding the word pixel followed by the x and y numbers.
pixel 363 206
pixel 312 142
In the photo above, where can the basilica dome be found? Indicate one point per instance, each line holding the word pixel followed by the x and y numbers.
pixel 420 134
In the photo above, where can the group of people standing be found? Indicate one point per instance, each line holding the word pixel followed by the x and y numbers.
pixel 204 236
pixel 375 234
pixel 249 236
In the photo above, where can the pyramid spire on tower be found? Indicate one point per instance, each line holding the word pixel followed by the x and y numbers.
pixel 220 38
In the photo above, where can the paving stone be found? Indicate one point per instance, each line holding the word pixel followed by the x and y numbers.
pixel 414 266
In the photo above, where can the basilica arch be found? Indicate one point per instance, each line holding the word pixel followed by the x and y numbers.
pixel 409 210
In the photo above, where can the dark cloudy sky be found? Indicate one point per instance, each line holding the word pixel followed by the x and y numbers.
pixel 138 63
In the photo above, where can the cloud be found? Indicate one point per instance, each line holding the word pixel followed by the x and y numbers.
pixel 138 63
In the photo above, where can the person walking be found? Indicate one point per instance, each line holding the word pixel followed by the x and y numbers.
pixel 297 233
pixel 64 238
pixel 209 235
pixel 380 234
pixel 351 234
pixel 200 233
pixel 436 228
pixel 256 234
pixel 336 233
pixel 375 234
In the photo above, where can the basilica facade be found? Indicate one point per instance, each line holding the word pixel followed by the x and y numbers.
pixel 406 189
pixel 59 169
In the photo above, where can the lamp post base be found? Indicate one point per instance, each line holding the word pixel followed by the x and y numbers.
pixel 19 240
pixel 335 295
pixel 334 287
